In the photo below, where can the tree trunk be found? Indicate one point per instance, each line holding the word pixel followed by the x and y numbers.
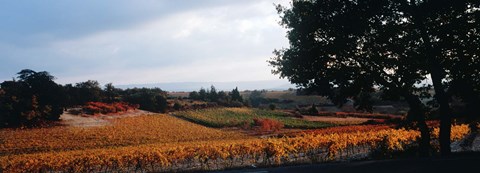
pixel 417 113
pixel 438 74
pixel 445 111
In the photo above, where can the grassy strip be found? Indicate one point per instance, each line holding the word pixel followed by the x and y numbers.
pixel 236 117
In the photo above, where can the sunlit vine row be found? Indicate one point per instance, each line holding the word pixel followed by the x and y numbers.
pixel 216 155
pixel 342 129
pixel 154 129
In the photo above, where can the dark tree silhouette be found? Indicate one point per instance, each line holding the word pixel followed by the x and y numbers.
pixel 203 95
pixel 212 94
pixel 88 91
pixel 461 56
pixel 83 92
pixel 34 97
pixel 229 99
pixel 336 50
pixel 445 34
pixel 257 97
pixel 235 94
pixel 348 46
pixel 111 93
pixel 223 96
pixel 194 95
pixel 153 99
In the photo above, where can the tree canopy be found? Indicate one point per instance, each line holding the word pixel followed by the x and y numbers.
pixel 344 48
pixel 33 98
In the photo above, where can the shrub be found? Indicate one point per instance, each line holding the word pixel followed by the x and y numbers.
pixel 236 104
pixel 177 106
pixel 267 125
pixel 246 125
pixel 90 109
pixel 104 108
pixel 272 107
pixel 313 110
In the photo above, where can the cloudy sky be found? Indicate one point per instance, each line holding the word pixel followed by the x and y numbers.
pixel 138 42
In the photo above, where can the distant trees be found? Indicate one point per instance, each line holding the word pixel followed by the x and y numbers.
pixel 89 90
pixel 235 95
pixel 232 98
pixel 213 95
pixel 259 99
pixel 111 94
pixel 83 92
pixel 256 98
pixel 223 96
pixel 202 94
pixel 150 99
pixel 194 95
pixel 34 98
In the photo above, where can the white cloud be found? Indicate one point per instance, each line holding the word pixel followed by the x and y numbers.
pixel 221 43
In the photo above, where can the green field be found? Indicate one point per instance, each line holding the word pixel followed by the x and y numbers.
pixel 235 117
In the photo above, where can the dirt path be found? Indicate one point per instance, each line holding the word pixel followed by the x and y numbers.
pixel 68 119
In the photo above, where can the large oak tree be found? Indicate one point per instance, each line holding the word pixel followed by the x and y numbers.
pixel 34 97
pixel 347 47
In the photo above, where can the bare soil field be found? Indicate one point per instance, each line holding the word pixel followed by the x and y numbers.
pixel 68 119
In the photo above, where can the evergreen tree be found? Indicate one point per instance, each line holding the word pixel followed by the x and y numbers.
pixel 194 95
pixel 202 94
pixel 213 95
pixel 235 95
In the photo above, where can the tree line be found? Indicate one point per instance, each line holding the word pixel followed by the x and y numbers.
pixel 33 98
pixel 233 98
pixel 406 49
pixel 255 98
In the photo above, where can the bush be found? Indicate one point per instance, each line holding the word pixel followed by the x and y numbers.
pixel 267 125
pixel 177 106
pixel 105 108
pixel 272 107
pixel 313 110
pixel 246 125
pixel 236 104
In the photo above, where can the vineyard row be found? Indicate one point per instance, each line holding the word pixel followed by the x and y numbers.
pixel 220 155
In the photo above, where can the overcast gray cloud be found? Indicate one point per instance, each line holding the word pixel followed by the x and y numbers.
pixel 145 41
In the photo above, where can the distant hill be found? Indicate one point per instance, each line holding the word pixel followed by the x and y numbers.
pixel 195 86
